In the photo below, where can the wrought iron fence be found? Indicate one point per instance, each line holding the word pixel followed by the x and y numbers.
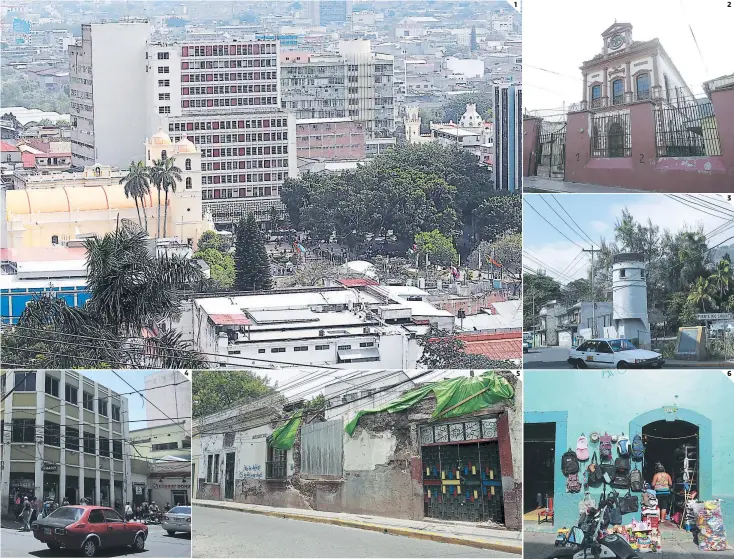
pixel 686 130
pixel 611 136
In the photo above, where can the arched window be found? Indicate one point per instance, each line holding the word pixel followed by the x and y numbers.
pixel 188 164
pixel 188 182
pixel 596 142
pixel 667 88
pixel 97 172
pixel 617 92
pixel 615 140
pixel 595 96
pixel 643 86
pixel 164 155
pixel 148 155
pixel 54 239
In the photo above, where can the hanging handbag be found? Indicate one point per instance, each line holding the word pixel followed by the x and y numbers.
pixel 621 481
pixel 608 469
pixel 629 503
pixel 594 473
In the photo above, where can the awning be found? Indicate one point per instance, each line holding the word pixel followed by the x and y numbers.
pixel 361 354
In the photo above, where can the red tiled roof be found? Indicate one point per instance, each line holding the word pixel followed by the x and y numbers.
pixel 29 160
pixel 5 146
pixel 501 345
pixel 357 282
pixel 30 254
pixel 40 145
pixel 471 305
pixel 230 319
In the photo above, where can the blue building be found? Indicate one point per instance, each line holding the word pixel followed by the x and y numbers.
pixel 669 409
pixel 507 117
pixel 287 41
pixel 14 297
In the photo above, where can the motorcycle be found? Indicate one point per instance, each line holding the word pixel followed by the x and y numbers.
pixel 588 541
pixel 153 517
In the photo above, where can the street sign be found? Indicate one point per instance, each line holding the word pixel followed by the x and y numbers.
pixel 46 467
pixel 715 316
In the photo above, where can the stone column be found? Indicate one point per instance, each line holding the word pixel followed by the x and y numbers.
pixel 8 418
pixel 586 85
pixel 605 88
pixel 629 81
pixel 97 495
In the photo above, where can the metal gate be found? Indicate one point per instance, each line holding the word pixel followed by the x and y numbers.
pixel 551 150
pixel 229 476
pixel 461 472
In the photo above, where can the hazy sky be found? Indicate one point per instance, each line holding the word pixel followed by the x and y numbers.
pixel 559 35
pixel 596 214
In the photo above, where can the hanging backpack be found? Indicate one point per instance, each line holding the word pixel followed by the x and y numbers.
pixel 569 463
pixel 582 448
pixel 573 485
pixel 622 465
pixel 605 448
pixel 623 446
pixel 594 473
pixel 612 515
pixel 638 448
pixel 621 481
pixel 636 480
pixel 629 503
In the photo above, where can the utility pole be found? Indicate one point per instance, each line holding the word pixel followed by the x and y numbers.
pixel 593 302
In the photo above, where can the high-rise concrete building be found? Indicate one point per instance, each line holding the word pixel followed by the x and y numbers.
pixel 169 398
pixel 355 83
pixel 328 12
pixel 108 78
pixel 223 95
pixel 507 168
pixel 63 435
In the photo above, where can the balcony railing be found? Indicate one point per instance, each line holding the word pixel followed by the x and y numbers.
pixel 275 470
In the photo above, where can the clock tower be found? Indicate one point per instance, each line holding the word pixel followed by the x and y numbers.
pixel 617 38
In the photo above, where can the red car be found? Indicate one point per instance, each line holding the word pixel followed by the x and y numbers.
pixel 89 529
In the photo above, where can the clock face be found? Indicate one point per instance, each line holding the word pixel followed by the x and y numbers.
pixel 616 42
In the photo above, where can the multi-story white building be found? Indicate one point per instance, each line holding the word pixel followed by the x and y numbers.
pixel 355 83
pixel 169 396
pixel 108 78
pixel 63 435
pixel 346 326
pixel 507 168
pixel 223 95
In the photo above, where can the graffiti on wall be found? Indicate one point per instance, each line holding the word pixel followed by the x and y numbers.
pixel 252 471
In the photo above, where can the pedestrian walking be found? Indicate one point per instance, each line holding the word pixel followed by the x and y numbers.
pixel 128 511
pixel 25 514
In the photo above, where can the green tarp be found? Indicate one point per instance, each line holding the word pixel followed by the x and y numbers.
pixel 454 397
pixel 285 435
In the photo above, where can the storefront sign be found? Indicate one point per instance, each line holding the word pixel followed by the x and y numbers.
pixel 171 486
pixel 46 467
pixel 715 316
pixel 138 490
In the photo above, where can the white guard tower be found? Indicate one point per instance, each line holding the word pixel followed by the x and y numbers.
pixel 629 281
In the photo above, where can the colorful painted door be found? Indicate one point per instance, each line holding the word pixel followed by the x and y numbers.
pixel 461 473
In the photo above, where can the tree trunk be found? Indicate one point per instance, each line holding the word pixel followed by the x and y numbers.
pixel 165 215
pixel 137 209
pixel 145 215
pixel 158 234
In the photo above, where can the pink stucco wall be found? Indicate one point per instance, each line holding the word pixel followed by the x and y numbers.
pixel 530 133
pixel 644 170
pixel 331 140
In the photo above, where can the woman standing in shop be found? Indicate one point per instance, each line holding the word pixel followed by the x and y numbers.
pixel 663 485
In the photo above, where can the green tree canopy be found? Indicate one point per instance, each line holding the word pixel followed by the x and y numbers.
pixel 213 240
pixel 252 265
pixel 438 247
pixel 215 391
pixel 221 267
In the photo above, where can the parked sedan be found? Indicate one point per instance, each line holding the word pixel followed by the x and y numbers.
pixel 610 353
pixel 89 529
pixel 178 519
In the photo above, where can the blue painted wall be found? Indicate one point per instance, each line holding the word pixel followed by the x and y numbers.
pixel 13 301
pixel 623 402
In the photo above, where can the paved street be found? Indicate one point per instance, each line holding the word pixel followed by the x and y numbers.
pixel 555 358
pixel 543 185
pixel 158 544
pixel 676 545
pixel 221 533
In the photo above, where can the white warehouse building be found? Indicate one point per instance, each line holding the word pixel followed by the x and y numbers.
pixel 348 325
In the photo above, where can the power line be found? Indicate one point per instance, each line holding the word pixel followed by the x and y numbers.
pixel 572 219
pixel 525 200
pixel 25 376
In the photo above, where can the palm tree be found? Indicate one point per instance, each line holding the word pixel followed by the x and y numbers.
pixel 166 176
pixel 722 276
pixel 701 293
pixel 137 185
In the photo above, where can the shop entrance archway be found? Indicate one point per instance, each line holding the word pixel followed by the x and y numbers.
pixel 687 419
pixel 539 452
pixel 675 445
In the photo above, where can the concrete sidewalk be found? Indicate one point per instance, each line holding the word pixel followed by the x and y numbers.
pixel 460 533
pixel 542 184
